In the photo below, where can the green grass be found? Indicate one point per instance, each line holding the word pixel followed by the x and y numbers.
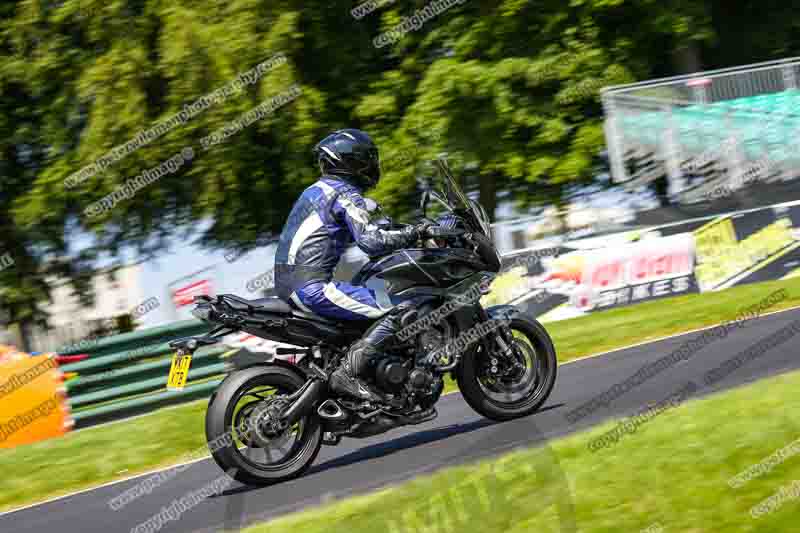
pixel 95 456
pixel 673 472
pixel 616 328
pixel 607 330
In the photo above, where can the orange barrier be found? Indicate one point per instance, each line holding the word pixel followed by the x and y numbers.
pixel 33 405
pixel 9 353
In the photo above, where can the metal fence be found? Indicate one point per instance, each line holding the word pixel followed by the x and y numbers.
pixel 731 126
pixel 127 374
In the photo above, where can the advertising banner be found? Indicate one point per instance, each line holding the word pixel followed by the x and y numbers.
pixel 705 254
pixel 186 295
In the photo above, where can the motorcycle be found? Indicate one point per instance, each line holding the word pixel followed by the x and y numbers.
pixel 266 422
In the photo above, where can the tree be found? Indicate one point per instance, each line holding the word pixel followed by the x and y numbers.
pixel 751 32
pixel 81 78
pixel 513 89
pixel 509 90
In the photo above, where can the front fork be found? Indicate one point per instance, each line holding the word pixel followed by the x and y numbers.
pixel 501 336
pixel 502 357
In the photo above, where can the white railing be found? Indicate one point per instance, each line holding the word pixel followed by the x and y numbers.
pixel 677 126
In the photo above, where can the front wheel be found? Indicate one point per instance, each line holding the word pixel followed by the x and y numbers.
pixel 507 386
pixel 242 433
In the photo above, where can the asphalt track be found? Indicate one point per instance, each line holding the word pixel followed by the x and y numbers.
pixel 458 435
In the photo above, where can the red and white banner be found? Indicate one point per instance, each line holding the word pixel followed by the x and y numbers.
pixel 643 270
pixel 186 295
pixel 621 274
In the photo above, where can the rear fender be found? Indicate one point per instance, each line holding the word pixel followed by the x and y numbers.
pixel 252 364
pixel 246 362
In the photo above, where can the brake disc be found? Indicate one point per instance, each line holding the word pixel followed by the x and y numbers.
pixel 266 428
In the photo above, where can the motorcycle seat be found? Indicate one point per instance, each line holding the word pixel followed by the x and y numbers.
pixel 259 305
pixel 276 305
pixel 271 305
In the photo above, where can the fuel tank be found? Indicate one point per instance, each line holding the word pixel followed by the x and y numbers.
pixel 438 268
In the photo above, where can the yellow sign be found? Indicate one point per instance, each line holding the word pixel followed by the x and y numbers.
pixel 720 256
pixel 713 245
pixel 179 372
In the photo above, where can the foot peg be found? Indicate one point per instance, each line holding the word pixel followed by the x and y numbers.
pixel 331 439
pixel 418 418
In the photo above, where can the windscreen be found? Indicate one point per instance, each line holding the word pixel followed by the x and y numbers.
pixel 455 196
pixel 450 190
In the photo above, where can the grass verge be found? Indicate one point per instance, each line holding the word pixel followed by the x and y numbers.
pixel 99 455
pixel 671 475
pixel 615 328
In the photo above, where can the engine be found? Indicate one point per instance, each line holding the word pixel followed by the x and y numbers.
pixel 391 374
pixel 424 385
pixel 431 345
pixel 397 376
pixel 412 376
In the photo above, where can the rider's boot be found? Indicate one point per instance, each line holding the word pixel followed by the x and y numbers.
pixel 347 379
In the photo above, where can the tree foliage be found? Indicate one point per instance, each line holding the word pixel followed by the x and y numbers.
pixel 509 89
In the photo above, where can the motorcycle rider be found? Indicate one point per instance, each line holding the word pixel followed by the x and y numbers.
pixel 329 215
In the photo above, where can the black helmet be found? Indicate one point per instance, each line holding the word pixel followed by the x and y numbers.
pixel 352 155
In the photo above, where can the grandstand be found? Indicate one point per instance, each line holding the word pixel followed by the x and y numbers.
pixel 706 131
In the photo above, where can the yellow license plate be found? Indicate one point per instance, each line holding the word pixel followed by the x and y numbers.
pixel 179 372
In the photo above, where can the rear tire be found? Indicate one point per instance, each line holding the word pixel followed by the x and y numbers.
pixel 475 394
pixel 220 422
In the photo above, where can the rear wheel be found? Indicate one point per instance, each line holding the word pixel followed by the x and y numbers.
pixel 503 387
pixel 242 430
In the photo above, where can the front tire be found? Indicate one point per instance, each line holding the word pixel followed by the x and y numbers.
pixel 517 399
pixel 227 423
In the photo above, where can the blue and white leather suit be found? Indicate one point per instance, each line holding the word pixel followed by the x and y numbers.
pixel 328 216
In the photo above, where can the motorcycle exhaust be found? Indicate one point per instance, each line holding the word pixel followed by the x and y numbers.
pixel 305 403
pixel 331 410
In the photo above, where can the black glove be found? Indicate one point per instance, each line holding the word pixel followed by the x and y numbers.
pixel 422 230
pixel 432 231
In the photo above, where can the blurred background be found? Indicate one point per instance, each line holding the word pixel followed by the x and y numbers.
pixel 647 146
pixel 510 91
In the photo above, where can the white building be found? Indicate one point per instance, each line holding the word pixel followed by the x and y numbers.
pixel 71 321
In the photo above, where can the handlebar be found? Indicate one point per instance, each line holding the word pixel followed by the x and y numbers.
pixel 438 232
